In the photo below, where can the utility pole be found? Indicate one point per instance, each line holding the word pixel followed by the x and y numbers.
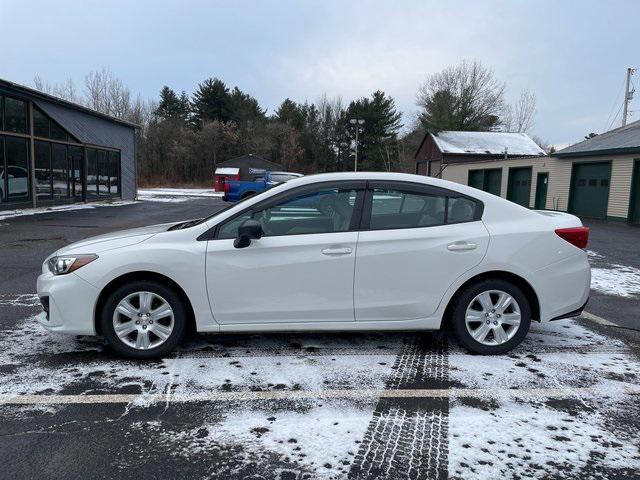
pixel 628 95
pixel 357 123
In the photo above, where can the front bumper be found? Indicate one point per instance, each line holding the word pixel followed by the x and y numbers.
pixel 70 301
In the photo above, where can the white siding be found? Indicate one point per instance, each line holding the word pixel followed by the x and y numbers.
pixel 620 187
pixel 459 172
pixel 559 178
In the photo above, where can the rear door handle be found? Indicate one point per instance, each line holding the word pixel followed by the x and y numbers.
pixel 461 246
pixel 337 251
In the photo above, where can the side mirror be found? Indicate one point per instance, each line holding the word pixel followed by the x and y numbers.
pixel 249 230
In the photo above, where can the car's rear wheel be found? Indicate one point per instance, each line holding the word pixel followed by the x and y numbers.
pixel 491 317
pixel 143 319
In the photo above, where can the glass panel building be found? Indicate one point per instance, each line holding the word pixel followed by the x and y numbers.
pixel 56 152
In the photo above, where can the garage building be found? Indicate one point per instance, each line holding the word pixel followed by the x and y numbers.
pixel 596 178
pixel 600 177
pixel 56 152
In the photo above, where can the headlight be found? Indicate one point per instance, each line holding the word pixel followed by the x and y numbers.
pixel 69 263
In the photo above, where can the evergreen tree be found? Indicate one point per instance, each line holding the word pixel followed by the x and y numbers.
pixel 172 106
pixel 292 113
pixel 211 101
pixel 377 140
pixel 244 108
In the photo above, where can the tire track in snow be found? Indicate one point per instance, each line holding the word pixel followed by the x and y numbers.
pixel 408 438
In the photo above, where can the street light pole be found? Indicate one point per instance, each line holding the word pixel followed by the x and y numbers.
pixel 357 123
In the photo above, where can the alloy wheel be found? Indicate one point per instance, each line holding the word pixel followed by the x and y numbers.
pixel 493 317
pixel 143 320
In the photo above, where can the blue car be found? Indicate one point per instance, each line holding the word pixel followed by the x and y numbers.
pixel 262 180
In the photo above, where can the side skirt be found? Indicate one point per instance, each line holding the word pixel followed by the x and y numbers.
pixel 399 325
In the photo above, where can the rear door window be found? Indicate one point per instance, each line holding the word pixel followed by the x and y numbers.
pixel 414 207
pixel 392 208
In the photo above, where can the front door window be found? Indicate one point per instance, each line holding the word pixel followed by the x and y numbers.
pixel 328 210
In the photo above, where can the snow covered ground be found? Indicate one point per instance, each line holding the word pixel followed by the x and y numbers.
pixel 612 278
pixel 563 404
pixel 175 195
pixel 5 214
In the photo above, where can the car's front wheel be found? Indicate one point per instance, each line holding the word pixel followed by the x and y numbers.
pixel 491 317
pixel 143 319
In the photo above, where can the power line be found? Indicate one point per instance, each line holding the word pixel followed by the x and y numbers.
pixel 608 124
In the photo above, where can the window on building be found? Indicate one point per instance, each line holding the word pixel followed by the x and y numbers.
pixel 40 124
pixel 57 132
pixel 16 169
pixel 114 173
pixel 59 170
pixel 76 167
pixel 103 173
pixel 46 127
pixel 391 208
pixel 2 166
pixel 42 155
pixel 92 172
pixel 15 115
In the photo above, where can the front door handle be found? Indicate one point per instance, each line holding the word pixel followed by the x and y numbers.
pixel 337 251
pixel 461 246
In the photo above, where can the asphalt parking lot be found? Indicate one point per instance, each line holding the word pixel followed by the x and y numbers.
pixel 565 404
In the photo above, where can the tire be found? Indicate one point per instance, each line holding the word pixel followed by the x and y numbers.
pixel 501 334
pixel 160 315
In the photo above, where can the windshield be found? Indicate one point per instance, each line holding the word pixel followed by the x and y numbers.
pixel 282 177
pixel 193 223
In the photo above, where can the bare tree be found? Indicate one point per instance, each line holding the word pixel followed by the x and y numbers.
pixel 543 144
pixel 524 111
pixel 107 94
pixel 65 90
pixel 466 96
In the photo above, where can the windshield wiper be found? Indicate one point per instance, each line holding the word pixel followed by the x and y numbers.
pixel 190 223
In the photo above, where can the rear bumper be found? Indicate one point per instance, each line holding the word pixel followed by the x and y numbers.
pixel 563 287
pixel 574 313
pixel 68 301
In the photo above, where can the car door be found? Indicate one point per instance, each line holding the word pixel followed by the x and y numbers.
pixel 302 268
pixel 415 241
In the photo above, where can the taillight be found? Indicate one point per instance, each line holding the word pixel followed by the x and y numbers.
pixel 578 236
pixel 225 187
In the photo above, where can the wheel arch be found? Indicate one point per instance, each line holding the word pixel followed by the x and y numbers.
pixel 142 276
pixel 520 282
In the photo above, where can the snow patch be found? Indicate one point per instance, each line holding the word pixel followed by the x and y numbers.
pixel 493 143
pixel 494 437
pixel 532 441
pixel 253 363
pixel 619 280
pixel 4 214
pixel 179 192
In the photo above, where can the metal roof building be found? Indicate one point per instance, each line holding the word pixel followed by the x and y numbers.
pixel 54 152
pixel 596 178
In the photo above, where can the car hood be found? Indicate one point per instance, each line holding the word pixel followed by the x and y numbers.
pixel 109 241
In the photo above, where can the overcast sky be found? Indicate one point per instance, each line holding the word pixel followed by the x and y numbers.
pixel 573 55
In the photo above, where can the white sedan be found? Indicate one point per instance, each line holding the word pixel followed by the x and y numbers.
pixel 330 252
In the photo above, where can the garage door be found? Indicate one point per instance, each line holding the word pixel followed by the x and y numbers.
pixel 519 189
pixel 487 180
pixel 590 189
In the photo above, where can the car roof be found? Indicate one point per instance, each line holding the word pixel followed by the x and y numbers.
pixel 385 176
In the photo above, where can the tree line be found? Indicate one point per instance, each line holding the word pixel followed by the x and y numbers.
pixel 183 137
